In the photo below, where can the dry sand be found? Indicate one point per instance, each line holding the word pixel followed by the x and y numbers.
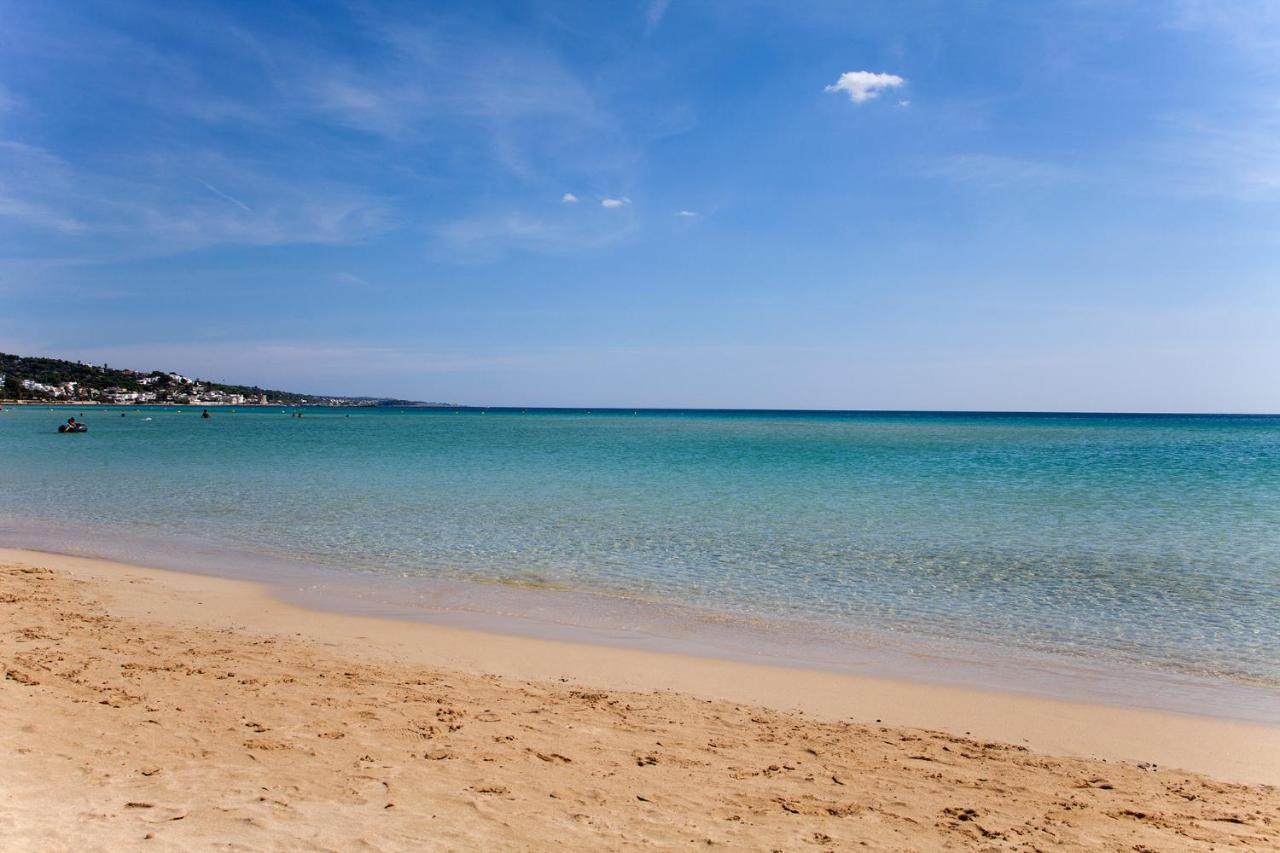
pixel 151 710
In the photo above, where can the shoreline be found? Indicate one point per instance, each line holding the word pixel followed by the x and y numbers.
pixel 1226 749
pixel 144 709
pixel 594 618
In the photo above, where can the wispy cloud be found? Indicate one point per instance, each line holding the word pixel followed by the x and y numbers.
pixel 569 198
pixel 483 236
pixel 1232 147
pixel 1237 158
pixel 149 206
pixel 994 170
pixel 442 89
pixel 1249 25
pixel 8 100
pixel 686 214
pixel 507 100
pixel 615 202
pixel 220 194
pixel 38 216
pixel 349 279
pixel 862 86
pixel 24 169
pixel 654 14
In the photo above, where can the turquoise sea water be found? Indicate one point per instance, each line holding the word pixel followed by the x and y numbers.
pixel 1151 542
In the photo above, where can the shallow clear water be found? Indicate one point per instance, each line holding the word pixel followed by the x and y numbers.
pixel 1148 541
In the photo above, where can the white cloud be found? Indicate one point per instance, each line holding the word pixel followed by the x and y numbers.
pixel 569 198
pixel 862 86
pixel 615 202
pixel 686 214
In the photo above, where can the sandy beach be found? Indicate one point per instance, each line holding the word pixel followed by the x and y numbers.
pixel 144 709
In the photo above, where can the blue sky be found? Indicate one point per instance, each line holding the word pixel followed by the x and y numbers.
pixel 972 205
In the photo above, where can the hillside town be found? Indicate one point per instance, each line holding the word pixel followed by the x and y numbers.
pixel 163 388
pixel 26 379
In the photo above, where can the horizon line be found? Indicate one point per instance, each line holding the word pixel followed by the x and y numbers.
pixel 426 405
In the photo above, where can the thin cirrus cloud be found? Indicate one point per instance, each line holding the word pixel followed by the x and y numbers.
pixel 153 206
pixel 220 194
pixel 349 279
pixel 686 214
pixel 654 14
pixel 486 236
pixel 863 86
pixel 995 170
pixel 7 100
pixel 615 202
pixel 517 107
pixel 1237 159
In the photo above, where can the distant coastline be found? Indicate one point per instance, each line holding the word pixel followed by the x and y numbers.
pixel 209 404
pixel 36 379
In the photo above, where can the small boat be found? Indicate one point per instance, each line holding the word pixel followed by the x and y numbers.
pixel 70 428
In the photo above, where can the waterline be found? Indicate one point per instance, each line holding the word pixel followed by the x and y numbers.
pixel 1143 544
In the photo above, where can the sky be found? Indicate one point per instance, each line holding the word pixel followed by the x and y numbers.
pixel 730 203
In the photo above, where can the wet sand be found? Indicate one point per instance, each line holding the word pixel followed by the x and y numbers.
pixel 157 710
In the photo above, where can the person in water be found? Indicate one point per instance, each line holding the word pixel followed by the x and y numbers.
pixel 205 413
pixel 71 424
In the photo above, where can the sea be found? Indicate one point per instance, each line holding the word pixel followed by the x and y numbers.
pixel 1118 558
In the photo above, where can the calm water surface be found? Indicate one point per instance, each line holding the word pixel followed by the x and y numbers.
pixel 1150 542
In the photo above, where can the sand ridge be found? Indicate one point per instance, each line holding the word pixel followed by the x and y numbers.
pixel 124 733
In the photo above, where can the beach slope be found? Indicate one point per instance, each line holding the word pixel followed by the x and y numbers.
pixel 122 730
